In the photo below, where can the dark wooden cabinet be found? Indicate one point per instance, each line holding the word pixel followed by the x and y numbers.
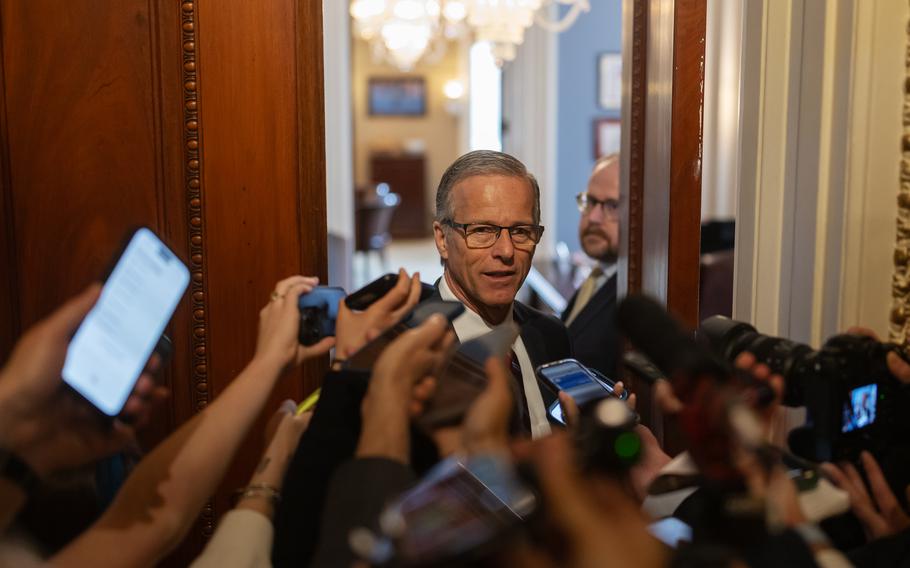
pixel 406 175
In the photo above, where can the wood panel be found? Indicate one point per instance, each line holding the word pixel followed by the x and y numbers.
pixel 685 159
pixel 260 193
pixel 201 120
pixel 637 100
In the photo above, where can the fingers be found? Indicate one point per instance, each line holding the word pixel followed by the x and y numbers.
pixel 67 318
pixel 487 421
pixel 283 286
pixel 666 398
pixel 570 410
pixel 321 348
pixel 412 299
pixel 899 368
pixel 881 492
pixel 859 499
pixel 394 297
pixel 864 331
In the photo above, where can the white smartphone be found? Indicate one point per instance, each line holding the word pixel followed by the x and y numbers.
pixel 116 338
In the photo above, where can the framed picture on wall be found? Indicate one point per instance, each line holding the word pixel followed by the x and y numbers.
pixel 397 96
pixel 607 136
pixel 609 81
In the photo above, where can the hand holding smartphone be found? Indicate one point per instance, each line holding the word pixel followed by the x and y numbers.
pixel 116 338
pixel 582 384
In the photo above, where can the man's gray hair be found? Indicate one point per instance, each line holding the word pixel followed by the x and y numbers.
pixel 482 163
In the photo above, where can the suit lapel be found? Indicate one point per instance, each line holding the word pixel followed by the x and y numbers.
pixel 595 307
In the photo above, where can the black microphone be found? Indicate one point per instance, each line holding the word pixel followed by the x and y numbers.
pixel 658 336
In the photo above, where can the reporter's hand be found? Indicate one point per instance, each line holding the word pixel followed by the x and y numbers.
pixel 761 372
pixel 601 526
pixel 486 424
pixel 898 367
pixel 880 514
pixel 46 425
pixel 408 363
pixel 279 325
pixel 354 329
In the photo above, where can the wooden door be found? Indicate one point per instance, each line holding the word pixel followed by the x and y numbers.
pixel 201 119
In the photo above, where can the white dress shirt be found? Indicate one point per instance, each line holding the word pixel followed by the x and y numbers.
pixel 470 325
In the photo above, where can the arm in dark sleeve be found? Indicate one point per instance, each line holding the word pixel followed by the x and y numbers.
pixel 357 494
pixel 330 440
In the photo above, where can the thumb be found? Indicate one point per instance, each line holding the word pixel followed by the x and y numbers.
pixel 67 318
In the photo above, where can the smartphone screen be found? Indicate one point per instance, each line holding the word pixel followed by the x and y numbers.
pixel 859 409
pixel 574 378
pixel 114 342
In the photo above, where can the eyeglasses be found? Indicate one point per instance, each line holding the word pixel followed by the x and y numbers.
pixel 586 204
pixel 483 235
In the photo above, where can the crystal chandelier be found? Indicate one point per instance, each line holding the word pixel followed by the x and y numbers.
pixel 404 31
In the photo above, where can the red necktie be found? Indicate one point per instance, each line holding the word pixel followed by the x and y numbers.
pixel 521 420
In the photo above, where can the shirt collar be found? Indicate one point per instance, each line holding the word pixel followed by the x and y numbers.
pixel 470 323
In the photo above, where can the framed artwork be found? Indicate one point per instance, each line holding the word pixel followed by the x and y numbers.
pixel 397 96
pixel 609 81
pixel 607 136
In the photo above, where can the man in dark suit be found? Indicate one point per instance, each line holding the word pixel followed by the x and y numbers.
pixel 487 227
pixel 589 315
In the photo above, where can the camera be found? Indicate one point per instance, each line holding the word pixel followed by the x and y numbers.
pixel 318 312
pixel 853 401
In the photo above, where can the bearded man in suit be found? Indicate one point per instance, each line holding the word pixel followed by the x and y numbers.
pixel 589 315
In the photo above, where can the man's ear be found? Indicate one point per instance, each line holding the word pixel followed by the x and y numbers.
pixel 439 234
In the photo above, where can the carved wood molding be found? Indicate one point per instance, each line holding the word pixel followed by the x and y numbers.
pixel 192 152
pixel 900 287
pixel 638 94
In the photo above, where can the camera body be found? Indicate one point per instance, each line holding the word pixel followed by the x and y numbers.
pixel 854 403
pixel 318 312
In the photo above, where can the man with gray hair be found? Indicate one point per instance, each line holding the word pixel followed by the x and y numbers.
pixel 486 229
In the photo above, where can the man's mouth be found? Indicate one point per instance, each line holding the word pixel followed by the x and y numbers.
pixel 499 275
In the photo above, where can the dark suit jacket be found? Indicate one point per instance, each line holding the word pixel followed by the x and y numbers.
pixel 593 334
pixel 357 494
pixel 335 429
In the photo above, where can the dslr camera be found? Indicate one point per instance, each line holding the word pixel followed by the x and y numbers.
pixel 853 401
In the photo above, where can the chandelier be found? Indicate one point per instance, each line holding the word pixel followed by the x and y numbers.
pixel 406 31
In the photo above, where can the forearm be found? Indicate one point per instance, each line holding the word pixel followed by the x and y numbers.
pixel 269 473
pixel 385 434
pixel 162 497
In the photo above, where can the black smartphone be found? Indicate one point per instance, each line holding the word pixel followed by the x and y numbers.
pixel 367 355
pixel 582 384
pixel 116 338
pixel 363 298
pixel 318 312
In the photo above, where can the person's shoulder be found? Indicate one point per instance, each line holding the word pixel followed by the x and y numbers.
pixel 528 315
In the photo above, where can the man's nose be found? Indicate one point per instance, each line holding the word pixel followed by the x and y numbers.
pixel 503 247
pixel 596 213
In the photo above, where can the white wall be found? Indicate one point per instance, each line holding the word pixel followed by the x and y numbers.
pixel 338 143
pixel 820 142
pixel 874 165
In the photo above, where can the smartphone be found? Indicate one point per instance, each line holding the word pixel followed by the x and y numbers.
pixel 318 313
pixel 367 355
pixel 582 384
pixel 116 338
pixel 363 298
pixel 463 377
pixel 458 512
